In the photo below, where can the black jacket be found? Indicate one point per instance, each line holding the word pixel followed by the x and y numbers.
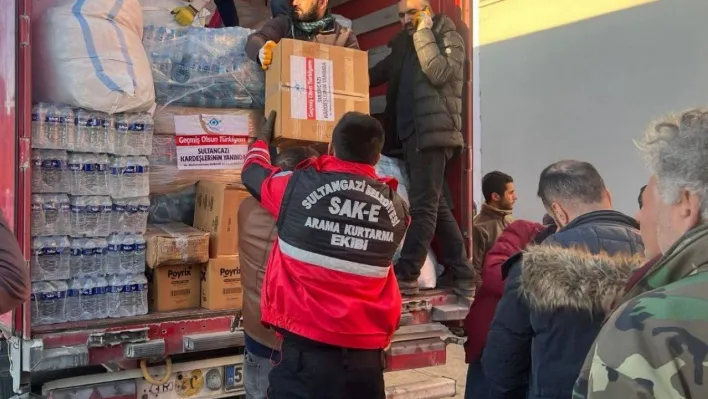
pixel 437 88
pixel 554 303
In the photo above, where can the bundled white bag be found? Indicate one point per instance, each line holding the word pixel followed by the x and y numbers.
pixel 395 168
pixel 89 54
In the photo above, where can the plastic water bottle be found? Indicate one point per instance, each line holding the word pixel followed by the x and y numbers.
pixel 88 173
pixel 50 258
pixel 101 298
pixel 48 301
pixel 130 215
pixel 112 263
pixel 134 134
pixel 92 133
pixel 129 177
pixel 139 255
pixel 141 296
pixel 116 296
pixel 90 216
pixel 50 215
pixel 52 127
pixel 73 300
pixel 49 171
pixel 87 255
pixel 161 66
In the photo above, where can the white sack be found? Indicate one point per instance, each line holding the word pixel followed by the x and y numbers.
pixel 395 168
pixel 89 54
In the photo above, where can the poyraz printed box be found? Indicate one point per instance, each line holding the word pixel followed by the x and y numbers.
pixel 311 85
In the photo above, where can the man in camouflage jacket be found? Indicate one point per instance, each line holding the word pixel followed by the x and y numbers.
pixel 655 345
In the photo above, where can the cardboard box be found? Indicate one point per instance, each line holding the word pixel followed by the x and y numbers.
pixel 175 244
pixel 216 212
pixel 311 85
pixel 174 287
pixel 221 284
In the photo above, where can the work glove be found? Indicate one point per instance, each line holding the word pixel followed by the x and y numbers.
pixel 265 55
pixel 266 133
pixel 423 19
pixel 185 15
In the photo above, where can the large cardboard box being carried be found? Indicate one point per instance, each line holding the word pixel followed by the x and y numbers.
pixel 221 284
pixel 216 212
pixel 311 85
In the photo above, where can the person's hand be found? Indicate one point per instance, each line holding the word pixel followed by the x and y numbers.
pixel 266 133
pixel 265 55
pixel 423 20
pixel 185 15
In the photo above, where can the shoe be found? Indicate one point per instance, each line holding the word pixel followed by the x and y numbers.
pixel 408 288
pixel 466 289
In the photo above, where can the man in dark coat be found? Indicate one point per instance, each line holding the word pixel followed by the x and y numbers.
pixel 558 292
pixel 423 124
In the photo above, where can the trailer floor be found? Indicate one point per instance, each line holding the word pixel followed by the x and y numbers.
pixel 454 368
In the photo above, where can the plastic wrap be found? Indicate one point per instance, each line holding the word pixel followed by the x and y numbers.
pixel 174 207
pixel 167 179
pixel 50 258
pixel 89 54
pixel 396 168
pixel 48 302
pixel 201 67
pixel 175 244
pixel 50 215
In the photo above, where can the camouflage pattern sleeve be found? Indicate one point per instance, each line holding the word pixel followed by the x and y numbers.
pixel 653 346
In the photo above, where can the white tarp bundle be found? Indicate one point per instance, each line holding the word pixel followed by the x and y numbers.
pixel 395 168
pixel 89 54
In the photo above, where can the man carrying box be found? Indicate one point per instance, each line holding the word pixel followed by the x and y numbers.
pixel 425 77
pixel 311 20
pixel 256 234
pixel 329 288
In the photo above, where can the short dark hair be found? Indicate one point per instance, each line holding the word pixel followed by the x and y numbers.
pixel 289 158
pixel 495 182
pixel 571 180
pixel 358 138
pixel 640 200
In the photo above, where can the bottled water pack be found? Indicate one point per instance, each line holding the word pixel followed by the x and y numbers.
pixel 49 171
pixel 133 134
pixel 87 256
pixel 91 216
pixel 126 254
pixel 48 302
pixel 129 177
pixel 95 132
pixel 52 126
pixel 50 215
pixel 130 215
pixel 127 295
pixel 50 258
pixel 87 299
pixel 88 173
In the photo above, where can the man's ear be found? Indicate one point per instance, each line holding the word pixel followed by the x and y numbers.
pixel 691 208
pixel 495 197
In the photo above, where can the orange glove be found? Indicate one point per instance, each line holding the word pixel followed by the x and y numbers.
pixel 265 55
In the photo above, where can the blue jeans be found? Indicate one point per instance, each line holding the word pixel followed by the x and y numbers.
pixel 476 383
pixel 256 370
pixel 280 7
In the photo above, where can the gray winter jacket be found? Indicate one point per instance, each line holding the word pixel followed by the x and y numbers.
pixel 437 89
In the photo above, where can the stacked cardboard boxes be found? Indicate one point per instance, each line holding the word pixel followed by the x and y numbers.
pixel 216 212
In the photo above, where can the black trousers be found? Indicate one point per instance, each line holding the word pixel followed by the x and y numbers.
pixel 431 215
pixel 325 372
pixel 227 11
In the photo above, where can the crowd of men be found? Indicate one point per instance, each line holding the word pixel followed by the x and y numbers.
pixel 591 304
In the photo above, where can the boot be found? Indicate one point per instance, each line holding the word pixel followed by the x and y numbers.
pixel 408 288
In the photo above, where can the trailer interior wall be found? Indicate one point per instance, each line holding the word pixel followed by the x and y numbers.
pixel 584 90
